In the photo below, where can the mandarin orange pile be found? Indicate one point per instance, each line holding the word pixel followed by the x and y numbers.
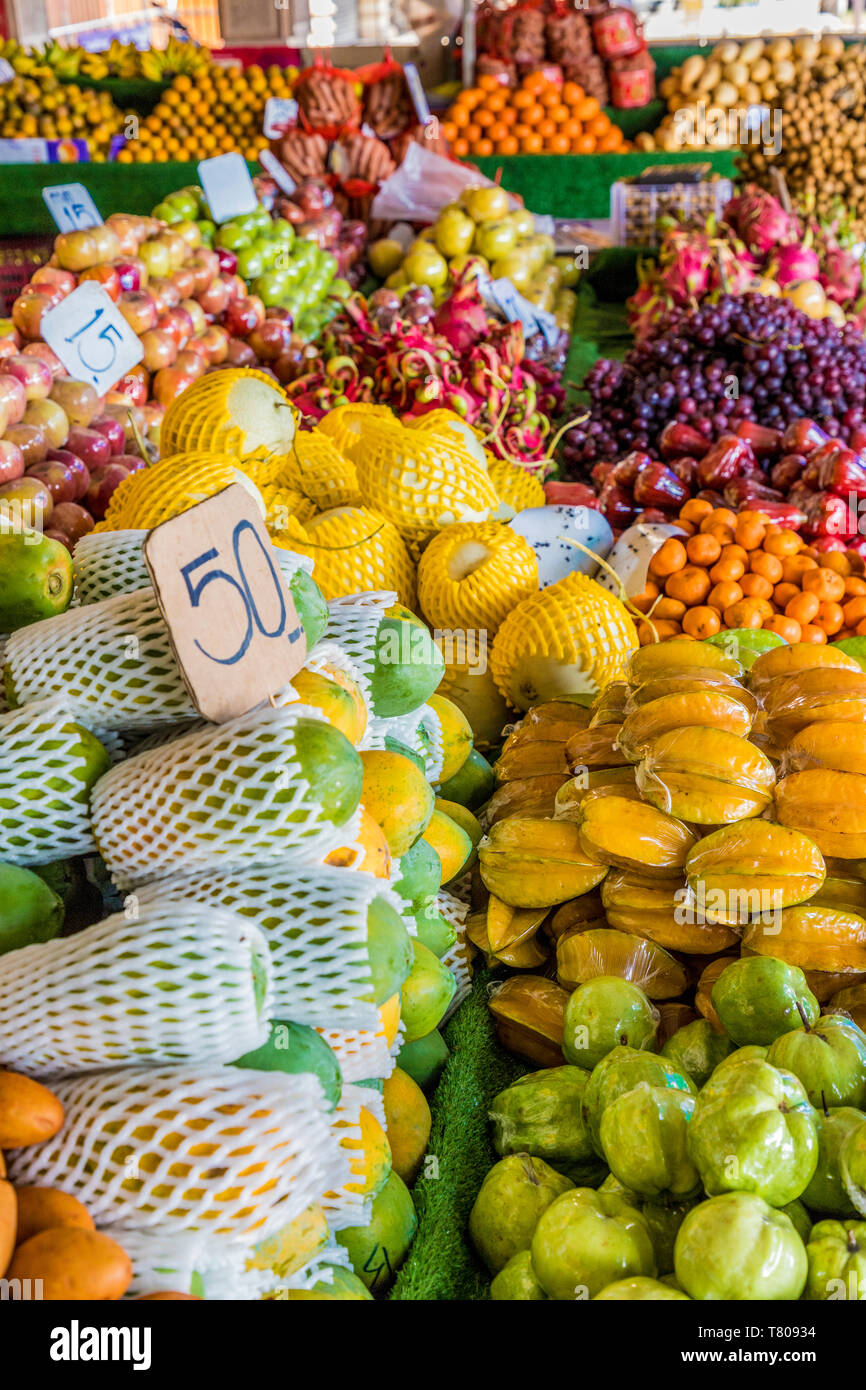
pixel 215 112
pixel 742 571
pixel 538 117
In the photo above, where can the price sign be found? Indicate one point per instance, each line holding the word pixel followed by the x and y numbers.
pixel 517 309
pixel 232 622
pixel 227 186
pixel 417 93
pixel 91 337
pixel 71 206
pixel 280 112
pixel 272 166
pixel 7 72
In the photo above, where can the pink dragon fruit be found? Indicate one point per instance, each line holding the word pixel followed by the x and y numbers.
pixel 462 318
pixel 688 277
pixel 792 263
pixel 841 275
pixel 761 221
pixel 734 268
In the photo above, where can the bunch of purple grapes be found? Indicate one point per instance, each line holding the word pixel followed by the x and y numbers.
pixel 746 357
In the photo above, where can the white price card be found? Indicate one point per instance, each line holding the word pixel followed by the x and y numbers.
pixel 71 206
pixel 280 176
pixel 517 309
pixel 227 186
pixel 417 93
pixel 7 72
pixel 280 112
pixel 91 337
pixel 233 624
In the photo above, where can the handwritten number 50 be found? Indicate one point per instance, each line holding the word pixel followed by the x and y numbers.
pixel 195 589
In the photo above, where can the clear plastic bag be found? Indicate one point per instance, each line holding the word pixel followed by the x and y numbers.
pixel 422 186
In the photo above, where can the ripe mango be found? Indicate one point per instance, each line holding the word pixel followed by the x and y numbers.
pixel 529 1017
pixel 460 816
pixel 528 796
pixel 595 748
pixel 821 695
pixel 659 910
pixel 73 1264
pixel 781 662
pixel 369 852
pixel 710 709
pixel 44 1208
pixel 530 861
pixel 8 1223
pixel 745 869
pixel 839 745
pixel 611 781
pixel 814 938
pixel 829 807
pixel 706 776
pixel 408 1122
pixel 679 657
pixel 29 1112
pixel 585 955
pixel 294 1245
pixel 633 835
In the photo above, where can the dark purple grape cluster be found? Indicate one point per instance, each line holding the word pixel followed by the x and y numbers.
pixel 747 357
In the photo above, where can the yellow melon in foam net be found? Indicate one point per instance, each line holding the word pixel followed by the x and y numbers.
pixel 237 411
pixel 472 575
pixel 353 549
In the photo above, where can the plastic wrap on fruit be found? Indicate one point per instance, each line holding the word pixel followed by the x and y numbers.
pixel 585 911
pixel 708 709
pixel 529 1016
pixel 706 776
pixel 751 868
pixel 813 938
pixel 529 861
pixel 663 911
pixel 586 955
pixel 531 759
pixel 839 745
pixel 822 694
pixel 690 683
pixel 609 705
pixel 527 796
pixel 783 660
pixel 829 807
pixel 633 835
pixel 679 657
pixel 613 781
pixel 594 748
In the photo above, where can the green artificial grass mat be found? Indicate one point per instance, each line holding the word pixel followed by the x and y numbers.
pixel 442 1264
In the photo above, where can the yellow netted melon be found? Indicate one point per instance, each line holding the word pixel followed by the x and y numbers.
pixel 421 481
pixel 572 638
pixel 281 502
pixel 345 424
pixel 353 549
pixel 468 683
pixel 170 487
pixel 452 425
pixel 322 473
pixel 515 485
pixel 237 411
pixel 472 575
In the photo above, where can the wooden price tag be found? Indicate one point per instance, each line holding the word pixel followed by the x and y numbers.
pixel 231 618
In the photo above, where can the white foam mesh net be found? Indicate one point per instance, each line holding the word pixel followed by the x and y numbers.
pixel 346 1204
pixel 353 623
pixel 221 796
pixel 420 730
pixel 459 958
pixel 363 1054
pixel 178 985
pixel 315 923
pixel 176 1149
pixel 4 703
pixel 195 1262
pixel 319 1268
pixel 44 811
pixel 112 659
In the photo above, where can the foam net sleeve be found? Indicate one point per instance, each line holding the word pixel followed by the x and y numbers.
pixel 224 795
pixel 362 1053
pixel 197 1263
pixel 44 812
pixel 420 730
pixel 178 985
pixel 315 923
pixel 178 1149
pixel 353 623
pixel 346 1204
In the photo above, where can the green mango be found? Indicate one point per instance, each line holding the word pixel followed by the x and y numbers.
pixel 618 1072
pixel 757 998
pixel 35 578
pixel 735 1247
pixel 30 911
pixel 417 874
pixel 585 1240
pixel 696 1050
pixel 644 1139
pixel 516 1283
pixel 639 1288
pixel 541 1114
pixel 332 768
pixel 854 647
pixel 407 668
pixel 424 1059
pixel 829 1059
pixel 311 605
pixel 434 931
pixel 512 1197
pixel 378 1248
pixel 826 1192
pixel 745 644
pixel 335 1284
pixel 474 784
pixel 603 1012
pixel 294 1048
pixel 389 946
pixel 753 1130
pixel 837 1262
pixel 426 993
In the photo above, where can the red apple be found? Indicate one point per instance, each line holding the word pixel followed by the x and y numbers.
pixel 133 463
pixel 169 383
pixel 190 362
pixel 215 341
pixel 130 231
pixel 27 502
pixel 239 353
pixel 133 387
pixel 33 373
pixel 237 288
pixel 178 323
pixel 270 339
pixel 90 446
pixel 51 419
pixel 59 480
pixel 53 279
pixel 166 294
pixel 113 431
pixel 27 312
pixel 214 298
pixel 11 461
pixel 75 466
pixel 160 349
pixel 78 250
pixel 72 521
pixel 242 316
pixel 196 313
pixel 77 398
pixel 13 397
pixel 104 481
pixel 204 267
pixel 105 275
pixel 30 440
pixel 228 261
pixel 46 355
pixel 139 309
pixel 183 281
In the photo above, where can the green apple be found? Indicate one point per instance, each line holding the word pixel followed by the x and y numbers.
pixel 523 221
pixel 639 1288
pixel 541 1114
pixel 736 1248
pixel 623 1068
pixel 643 1135
pixel 514 267
pixel 753 1130
pixel 494 240
pixel 516 1191
pixel 384 257
pixel 488 204
pixel 662 1218
pixel 800 1218
pixel 251 263
pixel 758 998
pixel 233 237
pixel 453 232
pixel 516 1283
pixel 585 1240
pixel 829 1059
pixel 826 1192
pixel 604 1012
pixel 696 1050
pixel 425 266
pixel 837 1262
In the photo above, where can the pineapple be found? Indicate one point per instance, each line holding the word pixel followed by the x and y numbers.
pixel 472 575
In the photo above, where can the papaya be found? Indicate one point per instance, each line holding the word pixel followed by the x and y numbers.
pixel 459 814
pixel 398 797
pixel 456 734
pixel 337 696
pixel 370 851
pixel 424 1059
pixel 334 1284
pixel 706 776
pixel 332 768
pixel 827 806
pixel 310 605
pixel 781 662
pixel 417 874
pixel 452 844
pixel 678 657
pixel 29 910
pixel 407 668
pixel 658 909
pixel 426 993
pixel 710 709
pixel 294 1245
pixel 753 867
pixel 528 796
pixel 396 745
pixel 369 1154
pixel 473 783
pixel 533 862
pixel 378 1249
pixel 35 578
pixel 295 1048
pixel 529 1018
pixel 632 835
pixel 389 1018
pixel 407 1122
pixel 390 949
pixel 434 931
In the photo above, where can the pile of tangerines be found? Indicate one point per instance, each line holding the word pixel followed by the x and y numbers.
pixel 538 117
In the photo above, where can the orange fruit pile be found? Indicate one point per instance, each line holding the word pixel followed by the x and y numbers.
pixel 740 570
pixel 538 117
